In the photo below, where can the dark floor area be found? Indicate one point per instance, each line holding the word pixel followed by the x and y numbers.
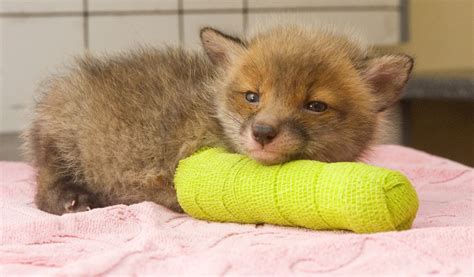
pixel 10 147
pixel 443 128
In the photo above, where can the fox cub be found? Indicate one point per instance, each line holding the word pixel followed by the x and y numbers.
pixel 111 130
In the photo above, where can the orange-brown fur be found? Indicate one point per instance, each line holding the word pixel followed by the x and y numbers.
pixel 112 130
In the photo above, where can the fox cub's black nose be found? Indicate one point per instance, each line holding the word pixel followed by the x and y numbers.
pixel 263 133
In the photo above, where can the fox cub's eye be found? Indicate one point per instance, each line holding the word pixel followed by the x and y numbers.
pixel 252 97
pixel 316 106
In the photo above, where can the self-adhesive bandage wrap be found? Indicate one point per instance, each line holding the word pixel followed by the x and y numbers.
pixel 219 186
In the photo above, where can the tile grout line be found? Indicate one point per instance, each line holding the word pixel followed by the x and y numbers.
pixel 404 17
pixel 181 22
pixel 85 18
pixel 245 14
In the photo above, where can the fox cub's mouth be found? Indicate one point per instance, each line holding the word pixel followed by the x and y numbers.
pixel 268 154
pixel 266 157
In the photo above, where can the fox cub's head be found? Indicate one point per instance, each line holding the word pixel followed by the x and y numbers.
pixel 294 93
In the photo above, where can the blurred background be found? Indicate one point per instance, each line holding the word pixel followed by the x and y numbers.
pixel 436 114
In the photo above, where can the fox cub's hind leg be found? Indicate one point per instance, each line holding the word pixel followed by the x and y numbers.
pixel 58 192
pixel 59 195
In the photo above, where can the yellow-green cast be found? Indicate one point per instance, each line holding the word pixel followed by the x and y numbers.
pixel 219 186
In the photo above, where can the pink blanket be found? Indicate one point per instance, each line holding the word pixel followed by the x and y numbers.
pixel 147 239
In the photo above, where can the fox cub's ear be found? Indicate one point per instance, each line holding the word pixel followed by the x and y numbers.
pixel 222 49
pixel 387 76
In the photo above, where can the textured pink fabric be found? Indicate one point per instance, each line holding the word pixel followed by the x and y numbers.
pixel 146 238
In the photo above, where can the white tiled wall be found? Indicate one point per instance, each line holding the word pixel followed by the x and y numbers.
pixel 110 33
pixel 132 5
pixel 212 4
pixel 34 6
pixel 37 36
pixel 31 49
pixel 379 26
pixel 320 3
